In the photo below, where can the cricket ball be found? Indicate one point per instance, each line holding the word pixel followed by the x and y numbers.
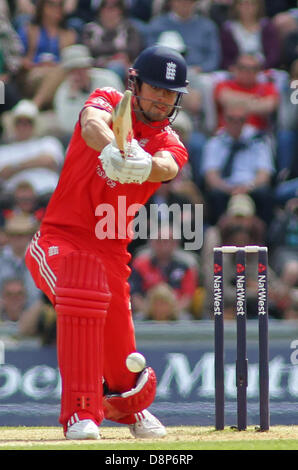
pixel 135 362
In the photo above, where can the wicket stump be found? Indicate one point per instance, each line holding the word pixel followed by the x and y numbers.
pixel 241 317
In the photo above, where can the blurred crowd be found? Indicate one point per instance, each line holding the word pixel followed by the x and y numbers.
pixel 239 123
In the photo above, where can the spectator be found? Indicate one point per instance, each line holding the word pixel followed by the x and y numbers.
pixel 290 278
pixel 273 7
pixel 36 160
pixel 260 99
pixel 25 201
pixel 283 237
pixel 11 50
pixel 13 303
pixel 240 224
pixel 113 40
pixel 40 321
pixel 287 187
pixel 163 262
pixel 182 194
pixel 81 78
pixel 283 240
pixel 16 7
pixel 200 34
pixel 219 11
pixel 194 141
pixel 161 305
pixel 287 123
pixel 80 12
pixel 44 37
pixel 236 163
pixel 144 10
pixel 19 230
pixel 21 11
pixel 241 211
pixel 287 25
pixel 141 12
pixel 250 32
pixel 241 236
pixel 3 238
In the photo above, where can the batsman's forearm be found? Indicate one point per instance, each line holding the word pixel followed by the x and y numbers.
pixel 164 168
pixel 97 134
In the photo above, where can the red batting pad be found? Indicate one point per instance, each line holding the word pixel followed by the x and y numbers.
pixel 82 299
pixel 123 407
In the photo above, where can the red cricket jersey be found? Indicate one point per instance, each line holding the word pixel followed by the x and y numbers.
pixel 261 90
pixel 84 191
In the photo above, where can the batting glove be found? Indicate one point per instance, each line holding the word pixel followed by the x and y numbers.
pixel 135 168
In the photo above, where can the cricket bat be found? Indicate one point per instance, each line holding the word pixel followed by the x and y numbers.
pixel 122 125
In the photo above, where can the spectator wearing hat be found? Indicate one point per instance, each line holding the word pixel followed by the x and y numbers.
pixel 81 78
pixel 240 212
pixel 27 157
pixel 19 230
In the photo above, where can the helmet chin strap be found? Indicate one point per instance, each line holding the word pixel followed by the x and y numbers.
pixel 141 114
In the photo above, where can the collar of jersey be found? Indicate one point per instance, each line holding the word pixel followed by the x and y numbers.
pixel 147 129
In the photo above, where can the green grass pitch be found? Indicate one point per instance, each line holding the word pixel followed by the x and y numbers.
pixel 179 438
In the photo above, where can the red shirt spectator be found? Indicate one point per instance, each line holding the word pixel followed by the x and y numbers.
pixel 259 98
pixel 163 263
pixel 147 273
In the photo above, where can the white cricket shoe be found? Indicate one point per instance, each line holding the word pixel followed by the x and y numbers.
pixel 84 429
pixel 148 426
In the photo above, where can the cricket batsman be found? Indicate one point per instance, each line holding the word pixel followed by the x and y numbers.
pixel 86 278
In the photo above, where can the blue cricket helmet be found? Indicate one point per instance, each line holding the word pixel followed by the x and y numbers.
pixel 163 67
